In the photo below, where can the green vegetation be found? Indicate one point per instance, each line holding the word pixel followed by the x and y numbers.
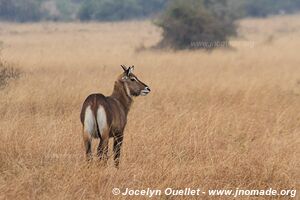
pixel 21 11
pixel 67 10
pixel 185 23
pixel 190 24
pixel 107 10
pixel 110 10
pixel 102 10
pixel 197 24
pixel 263 8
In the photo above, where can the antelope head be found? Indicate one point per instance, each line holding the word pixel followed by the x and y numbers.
pixel 133 86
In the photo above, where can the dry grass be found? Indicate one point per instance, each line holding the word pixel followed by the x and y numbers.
pixel 224 119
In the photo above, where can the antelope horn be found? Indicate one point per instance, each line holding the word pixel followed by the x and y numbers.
pixel 124 68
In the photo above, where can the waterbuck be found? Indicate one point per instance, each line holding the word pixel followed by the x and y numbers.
pixel 104 117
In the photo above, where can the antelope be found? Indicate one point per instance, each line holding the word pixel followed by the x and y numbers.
pixel 105 117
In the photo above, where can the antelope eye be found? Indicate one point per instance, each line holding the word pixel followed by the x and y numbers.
pixel 132 79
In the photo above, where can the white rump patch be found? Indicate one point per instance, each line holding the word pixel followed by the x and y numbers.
pixel 89 122
pixel 101 119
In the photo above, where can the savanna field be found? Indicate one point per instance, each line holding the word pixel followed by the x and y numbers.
pixel 224 119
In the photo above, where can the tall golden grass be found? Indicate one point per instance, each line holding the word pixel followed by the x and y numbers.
pixel 219 120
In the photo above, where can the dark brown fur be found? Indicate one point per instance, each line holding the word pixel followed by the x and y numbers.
pixel 116 107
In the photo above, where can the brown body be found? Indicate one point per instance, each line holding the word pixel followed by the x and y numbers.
pixel 106 116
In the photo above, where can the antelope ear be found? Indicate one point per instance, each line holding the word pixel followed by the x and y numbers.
pixel 124 68
pixel 130 69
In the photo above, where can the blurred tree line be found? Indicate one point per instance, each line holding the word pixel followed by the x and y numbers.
pixel 185 23
pixel 66 10
pixel 110 10
pixel 263 8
